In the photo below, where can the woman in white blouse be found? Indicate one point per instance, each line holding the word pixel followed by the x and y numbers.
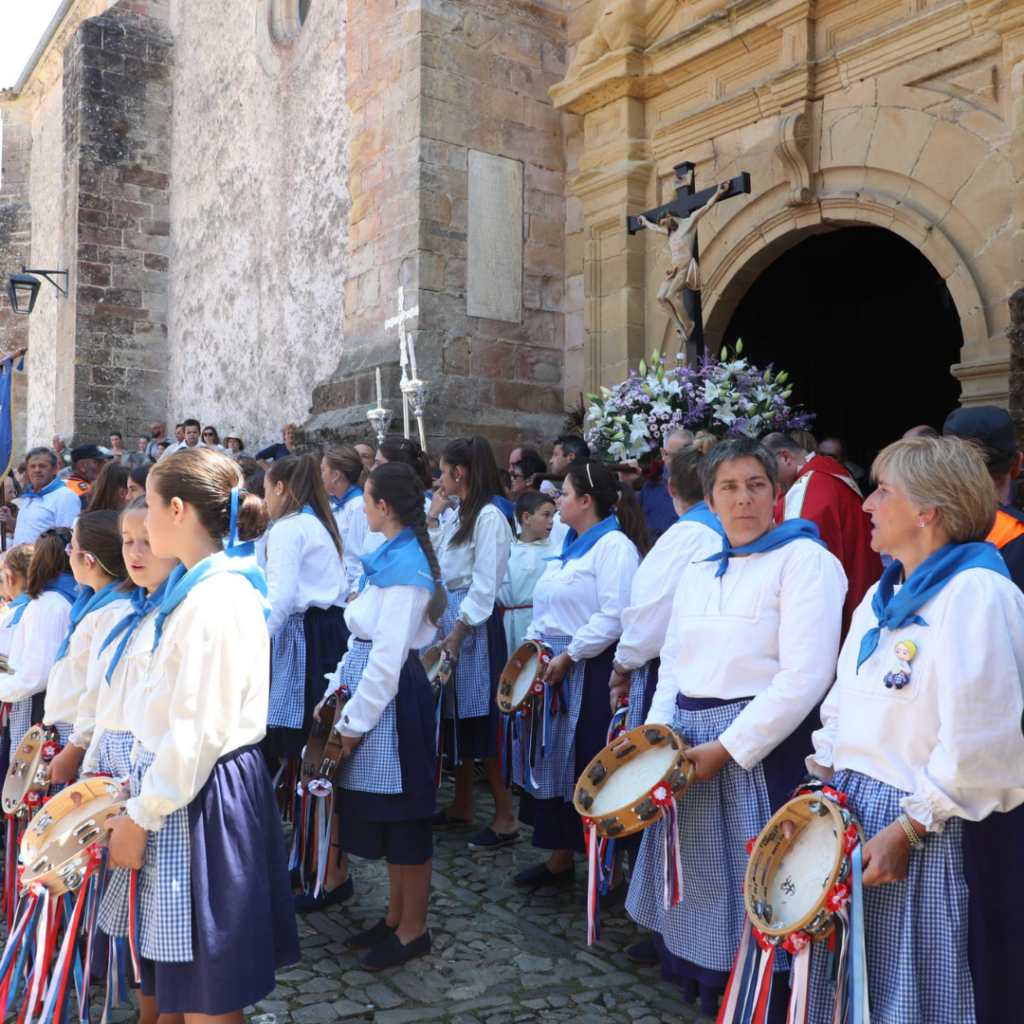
pixel 923 763
pixel 750 651
pixel 214 911
pixel 577 611
pixel 386 786
pixel 39 627
pixel 473 549
pixel 98 567
pixel 344 474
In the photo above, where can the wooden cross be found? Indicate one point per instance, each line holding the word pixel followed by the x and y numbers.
pixel 684 204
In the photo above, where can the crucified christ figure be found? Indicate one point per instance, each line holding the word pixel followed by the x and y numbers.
pixel 684 271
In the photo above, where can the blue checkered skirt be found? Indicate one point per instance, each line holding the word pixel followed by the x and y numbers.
pixel 115 753
pixel 164 885
pixel 915 931
pixel 469 695
pixel 642 684
pixel 19 723
pixel 375 765
pixel 716 819
pixel 554 774
pixel 288 674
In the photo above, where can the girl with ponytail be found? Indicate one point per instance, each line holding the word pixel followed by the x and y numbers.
pixel 386 787
pixel 39 626
pixel 577 611
pixel 401 449
pixel 98 567
pixel 212 909
pixel 473 550
pixel 344 475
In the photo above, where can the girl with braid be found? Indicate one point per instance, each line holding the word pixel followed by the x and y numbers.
pixel 386 786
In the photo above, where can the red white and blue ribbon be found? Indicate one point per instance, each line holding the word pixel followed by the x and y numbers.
pixel 663 797
pixel 323 792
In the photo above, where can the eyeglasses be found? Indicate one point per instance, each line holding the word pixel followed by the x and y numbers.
pixel 207 433
pixel 70 549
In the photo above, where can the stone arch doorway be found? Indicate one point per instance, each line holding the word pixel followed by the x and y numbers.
pixel 867 328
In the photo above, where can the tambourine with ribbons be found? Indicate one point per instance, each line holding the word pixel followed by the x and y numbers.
pixel 438 663
pixel 25 785
pixel 803 885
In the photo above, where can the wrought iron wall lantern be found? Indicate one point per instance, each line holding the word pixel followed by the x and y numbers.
pixel 23 288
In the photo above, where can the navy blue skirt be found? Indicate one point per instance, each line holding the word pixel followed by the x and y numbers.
pixel 556 823
pixel 243 917
pixel 478 737
pixel 398 826
pixel 326 638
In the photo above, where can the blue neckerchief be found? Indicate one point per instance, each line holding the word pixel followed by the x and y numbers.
pixel 504 506
pixel 18 606
pixel 352 492
pixel 307 510
pixel 142 604
pixel 399 562
pixel 894 611
pixel 783 534
pixel 66 585
pixel 237 557
pixel 30 493
pixel 89 601
pixel 575 546
pixel 700 513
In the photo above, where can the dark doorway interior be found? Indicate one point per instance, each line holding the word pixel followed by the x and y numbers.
pixel 866 328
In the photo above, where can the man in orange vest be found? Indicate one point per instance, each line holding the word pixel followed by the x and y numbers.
pixel 991 428
pixel 86 463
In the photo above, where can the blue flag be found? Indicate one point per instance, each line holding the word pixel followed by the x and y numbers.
pixel 7 414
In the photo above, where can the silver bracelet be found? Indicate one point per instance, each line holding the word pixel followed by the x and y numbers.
pixel 916 842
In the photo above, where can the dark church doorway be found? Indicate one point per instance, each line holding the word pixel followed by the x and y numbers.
pixel 866 328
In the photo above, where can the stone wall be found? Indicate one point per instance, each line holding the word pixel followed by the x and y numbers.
pixel 907 116
pixel 259 214
pixel 429 82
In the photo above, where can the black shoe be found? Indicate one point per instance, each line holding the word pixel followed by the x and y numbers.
pixel 491 840
pixel 372 937
pixel 391 952
pixel 442 819
pixel 612 898
pixel 306 901
pixel 643 952
pixel 541 874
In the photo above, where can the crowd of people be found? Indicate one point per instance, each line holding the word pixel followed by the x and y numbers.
pixel 181 619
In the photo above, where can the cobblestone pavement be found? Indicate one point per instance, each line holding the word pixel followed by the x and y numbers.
pixel 500 956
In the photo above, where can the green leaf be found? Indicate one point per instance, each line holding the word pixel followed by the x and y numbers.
pixel 643 368
pixel 739 345
pixel 593 398
pixel 606 392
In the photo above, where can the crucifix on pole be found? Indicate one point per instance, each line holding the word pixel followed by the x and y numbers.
pixel 398 320
pixel 679 294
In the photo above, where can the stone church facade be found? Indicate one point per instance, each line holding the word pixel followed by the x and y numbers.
pixel 245 191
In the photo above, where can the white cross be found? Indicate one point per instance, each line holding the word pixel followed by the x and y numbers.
pixel 399 321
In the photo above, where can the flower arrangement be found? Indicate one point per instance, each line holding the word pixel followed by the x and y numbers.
pixel 726 396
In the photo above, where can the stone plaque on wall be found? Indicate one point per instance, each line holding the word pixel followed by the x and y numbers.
pixel 494 273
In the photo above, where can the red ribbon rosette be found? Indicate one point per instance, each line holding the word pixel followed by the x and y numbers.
pixel 763 942
pixel 538 687
pixel 662 794
pixel 751 843
pixel 850 840
pixel 795 942
pixel 49 751
pixel 587 823
pixel 33 798
pixel 834 795
pixel 838 897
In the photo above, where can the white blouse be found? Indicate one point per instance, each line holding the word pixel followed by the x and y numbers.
pixel 767 629
pixel 478 565
pixel 77 675
pixel 951 738
pixel 206 694
pixel 515 596
pixel 356 540
pixel 645 621
pixel 304 569
pixel 37 637
pixel 395 620
pixel 586 598
pixel 107 700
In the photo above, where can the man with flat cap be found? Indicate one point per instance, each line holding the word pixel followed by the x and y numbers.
pixel 991 848
pixel 86 463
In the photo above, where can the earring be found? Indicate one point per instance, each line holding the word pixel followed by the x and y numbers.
pixel 921 525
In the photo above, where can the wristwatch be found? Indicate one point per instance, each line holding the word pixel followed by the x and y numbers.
pixel 619 670
pixel 916 842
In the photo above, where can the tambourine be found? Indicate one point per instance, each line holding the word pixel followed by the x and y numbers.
pixel 322 757
pixel 523 676
pixel 795 885
pixel 26 782
pixel 437 661
pixel 630 783
pixel 5 666
pixel 60 840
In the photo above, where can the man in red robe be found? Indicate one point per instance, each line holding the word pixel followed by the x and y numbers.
pixel 820 489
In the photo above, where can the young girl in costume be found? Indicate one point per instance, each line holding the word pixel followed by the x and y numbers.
pixel 386 788
pixel 213 909
pixel 401 449
pixel 125 651
pixel 39 626
pixel 472 549
pixel 577 611
pixel 98 567
pixel 344 474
